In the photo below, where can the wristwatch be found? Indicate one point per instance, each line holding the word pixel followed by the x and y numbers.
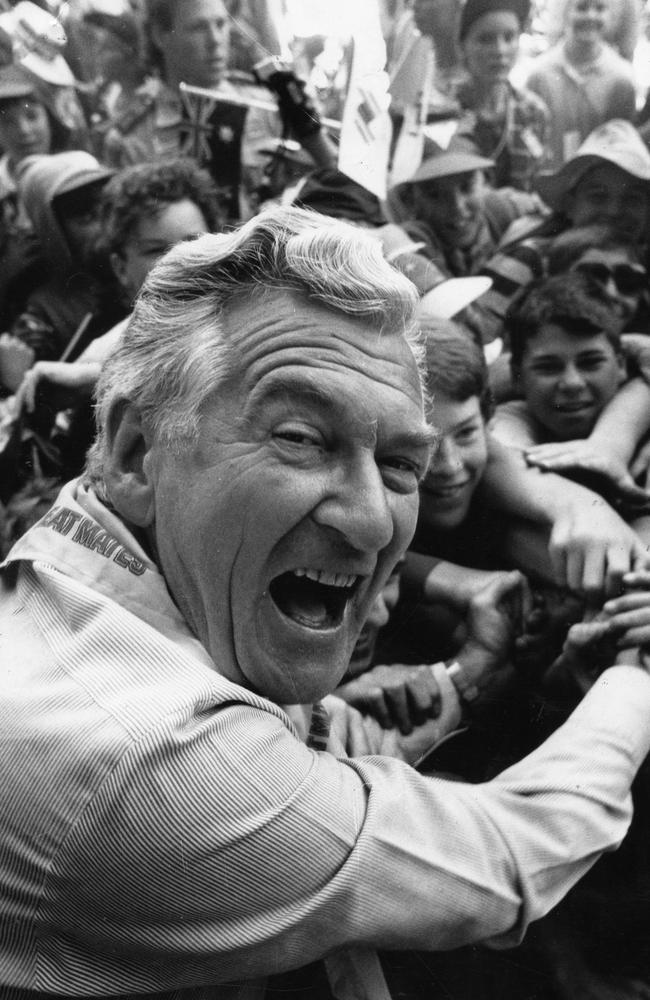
pixel 456 674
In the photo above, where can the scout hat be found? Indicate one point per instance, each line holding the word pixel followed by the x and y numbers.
pixel 460 157
pixel 616 142
pixel 450 297
pixel 37 41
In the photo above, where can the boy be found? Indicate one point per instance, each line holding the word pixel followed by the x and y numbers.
pixel 566 362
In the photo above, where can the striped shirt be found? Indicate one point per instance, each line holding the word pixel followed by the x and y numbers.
pixel 163 829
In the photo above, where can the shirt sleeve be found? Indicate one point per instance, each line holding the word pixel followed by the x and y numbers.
pixel 223 844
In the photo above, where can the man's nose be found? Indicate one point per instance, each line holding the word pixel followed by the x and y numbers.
pixel 357 507
pixel 216 35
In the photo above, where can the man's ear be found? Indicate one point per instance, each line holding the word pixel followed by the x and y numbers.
pixel 129 467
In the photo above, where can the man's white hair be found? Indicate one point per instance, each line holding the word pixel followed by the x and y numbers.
pixel 175 352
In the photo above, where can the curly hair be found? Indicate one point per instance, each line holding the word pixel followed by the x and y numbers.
pixel 142 190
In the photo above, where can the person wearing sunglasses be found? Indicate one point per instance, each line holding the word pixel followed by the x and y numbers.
pixel 613 262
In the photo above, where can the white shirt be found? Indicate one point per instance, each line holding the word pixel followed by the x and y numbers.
pixel 162 827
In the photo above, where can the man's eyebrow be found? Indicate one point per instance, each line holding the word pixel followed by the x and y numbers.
pixel 296 389
pixel 291 388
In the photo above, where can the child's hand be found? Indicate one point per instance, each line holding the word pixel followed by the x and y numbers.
pixel 16 358
pixel 563 456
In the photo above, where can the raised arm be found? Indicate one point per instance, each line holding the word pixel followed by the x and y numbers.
pixel 589 546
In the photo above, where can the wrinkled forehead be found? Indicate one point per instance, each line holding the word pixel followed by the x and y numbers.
pixel 272 328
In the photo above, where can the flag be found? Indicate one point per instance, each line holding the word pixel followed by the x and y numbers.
pixel 366 127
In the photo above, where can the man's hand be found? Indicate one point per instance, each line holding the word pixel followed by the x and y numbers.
pixel 362 735
pixel 619 633
pixel 583 455
pixel 629 619
pixel 495 614
pixel 15 359
pixel 591 549
pixel 396 696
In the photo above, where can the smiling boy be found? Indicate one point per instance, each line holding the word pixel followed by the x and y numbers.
pixel 566 363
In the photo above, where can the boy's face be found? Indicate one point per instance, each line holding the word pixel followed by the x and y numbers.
pixel 567 380
pixel 587 20
pixel 622 278
pixel 458 462
pixel 153 236
pixel 452 206
pixel 607 195
pixel 24 129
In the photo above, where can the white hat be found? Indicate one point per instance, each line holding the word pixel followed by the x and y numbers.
pixel 450 297
pixel 37 39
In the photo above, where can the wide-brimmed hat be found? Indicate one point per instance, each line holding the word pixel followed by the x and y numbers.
pixel 37 40
pixel 450 297
pixel 15 83
pixel 474 9
pixel 74 168
pixel 460 157
pixel 616 142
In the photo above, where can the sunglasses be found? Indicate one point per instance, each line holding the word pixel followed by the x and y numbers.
pixel 629 280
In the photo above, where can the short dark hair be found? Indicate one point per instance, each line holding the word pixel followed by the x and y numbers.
pixel 569 246
pixel 574 302
pixel 455 363
pixel 142 190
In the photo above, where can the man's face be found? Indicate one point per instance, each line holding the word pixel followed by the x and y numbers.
pixel 458 463
pixel 586 20
pixel 490 47
pixel 452 207
pixel 24 129
pixel 276 532
pixel 607 195
pixel 196 50
pixel 568 379
pixel 153 236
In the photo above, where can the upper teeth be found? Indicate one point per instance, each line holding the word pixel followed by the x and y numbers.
pixel 331 579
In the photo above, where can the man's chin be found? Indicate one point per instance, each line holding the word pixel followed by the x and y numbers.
pixel 292 663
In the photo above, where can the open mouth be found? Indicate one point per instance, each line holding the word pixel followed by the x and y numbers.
pixel 313 598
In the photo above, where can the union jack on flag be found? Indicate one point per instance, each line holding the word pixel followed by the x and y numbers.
pixel 197 128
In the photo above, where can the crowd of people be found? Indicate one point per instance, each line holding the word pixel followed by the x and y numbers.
pixel 325 608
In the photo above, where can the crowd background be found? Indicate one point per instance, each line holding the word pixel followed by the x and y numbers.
pixel 516 197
